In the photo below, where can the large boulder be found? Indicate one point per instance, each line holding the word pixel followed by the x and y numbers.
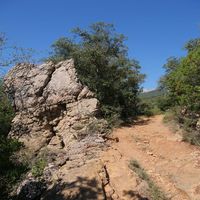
pixel 56 120
pixel 53 109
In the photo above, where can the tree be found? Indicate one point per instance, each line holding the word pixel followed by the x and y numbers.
pixel 192 44
pixel 11 54
pixel 182 84
pixel 168 82
pixel 182 79
pixel 102 63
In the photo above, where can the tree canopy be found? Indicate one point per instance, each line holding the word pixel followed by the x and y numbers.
pixel 182 84
pixel 102 62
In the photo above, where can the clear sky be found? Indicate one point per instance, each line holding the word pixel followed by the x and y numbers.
pixel 156 29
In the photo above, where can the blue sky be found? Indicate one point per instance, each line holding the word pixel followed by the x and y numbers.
pixel 156 29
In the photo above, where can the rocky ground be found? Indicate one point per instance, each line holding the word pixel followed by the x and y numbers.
pixel 174 166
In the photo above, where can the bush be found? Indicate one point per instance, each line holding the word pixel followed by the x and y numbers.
pixel 146 109
pixel 10 169
pixel 193 138
pixel 149 107
pixel 163 103
pixel 38 167
pixel 6 112
pixel 169 117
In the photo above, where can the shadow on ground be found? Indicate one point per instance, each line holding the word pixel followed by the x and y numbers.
pixel 137 122
pixel 132 194
pixel 142 122
pixel 81 189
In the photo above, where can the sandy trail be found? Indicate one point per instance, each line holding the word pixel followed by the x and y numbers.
pixel 173 165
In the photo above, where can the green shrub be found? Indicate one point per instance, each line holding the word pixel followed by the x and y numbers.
pixel 163 103
pixel 149 108
pixel 38 167
pixel 145 109
pixel 193 138
pixel 186 123
pixel 6 112
pixel 169 117
pixel 112 115
pixel 10 169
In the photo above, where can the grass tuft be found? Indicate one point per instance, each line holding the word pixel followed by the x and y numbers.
pixel 155 191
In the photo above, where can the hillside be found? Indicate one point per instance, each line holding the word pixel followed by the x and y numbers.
pixel 152 94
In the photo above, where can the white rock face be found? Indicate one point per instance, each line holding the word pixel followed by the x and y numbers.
pixel 53 108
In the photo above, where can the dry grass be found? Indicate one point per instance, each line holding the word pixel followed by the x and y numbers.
pixel 155 191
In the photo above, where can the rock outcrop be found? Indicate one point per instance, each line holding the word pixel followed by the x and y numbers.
pixel 52 107
pixel 55 114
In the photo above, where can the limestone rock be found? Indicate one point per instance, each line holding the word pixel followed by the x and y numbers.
pixel 52 107
pixel 55 115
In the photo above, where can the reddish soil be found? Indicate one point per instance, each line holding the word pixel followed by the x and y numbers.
pixel 172 164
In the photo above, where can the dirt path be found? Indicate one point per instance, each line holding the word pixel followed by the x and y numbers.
pixel 173 165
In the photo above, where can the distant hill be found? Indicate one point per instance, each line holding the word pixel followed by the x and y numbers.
pixel 152 94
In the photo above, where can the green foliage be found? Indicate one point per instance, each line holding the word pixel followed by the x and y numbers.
pixel 152 94
pixel 192 45
pixel 155 191
pixel 152 103
pixel 38 167
pixel 193 138
pixel 163 103
pixel 102 63
pixel 10 170
pixel 7 146
pixel 182 83
pixel 169 117
pixel 146 108
pixel 6 112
